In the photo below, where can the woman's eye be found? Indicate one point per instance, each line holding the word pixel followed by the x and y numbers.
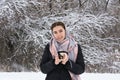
pixel 60 31
pixel 55 32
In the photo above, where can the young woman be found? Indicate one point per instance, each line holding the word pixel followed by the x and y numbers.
pixel 62 58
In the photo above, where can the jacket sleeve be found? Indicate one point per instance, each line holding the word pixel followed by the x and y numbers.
pixel 47 63
pixel 77 67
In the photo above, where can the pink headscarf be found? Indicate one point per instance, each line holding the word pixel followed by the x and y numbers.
pixel 69 45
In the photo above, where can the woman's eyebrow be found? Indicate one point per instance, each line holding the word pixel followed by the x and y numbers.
pixel 60 30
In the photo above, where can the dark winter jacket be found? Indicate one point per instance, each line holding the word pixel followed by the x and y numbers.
pixel 60 72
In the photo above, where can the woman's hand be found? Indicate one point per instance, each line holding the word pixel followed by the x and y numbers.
pixel 57 60
pixel 65 58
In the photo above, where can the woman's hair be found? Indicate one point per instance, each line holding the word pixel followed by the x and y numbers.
pixel 58 24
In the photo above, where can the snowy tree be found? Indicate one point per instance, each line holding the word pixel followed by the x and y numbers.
pixel 25 30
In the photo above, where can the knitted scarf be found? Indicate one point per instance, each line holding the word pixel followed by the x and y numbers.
pixel 69 45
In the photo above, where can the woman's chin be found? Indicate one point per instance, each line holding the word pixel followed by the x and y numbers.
pixel 59 40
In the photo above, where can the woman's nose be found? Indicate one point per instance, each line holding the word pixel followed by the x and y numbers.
pixel 58 34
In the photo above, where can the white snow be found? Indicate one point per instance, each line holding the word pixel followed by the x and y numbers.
pixel 41 76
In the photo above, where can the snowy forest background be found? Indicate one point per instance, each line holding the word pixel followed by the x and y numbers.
pixel 25 30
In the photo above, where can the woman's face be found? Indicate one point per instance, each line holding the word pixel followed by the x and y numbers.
pixel 59 33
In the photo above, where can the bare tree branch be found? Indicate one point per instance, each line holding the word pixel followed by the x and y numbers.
pixel 50 5
pixel 80 4
pixel 84 2
pixel 107 4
